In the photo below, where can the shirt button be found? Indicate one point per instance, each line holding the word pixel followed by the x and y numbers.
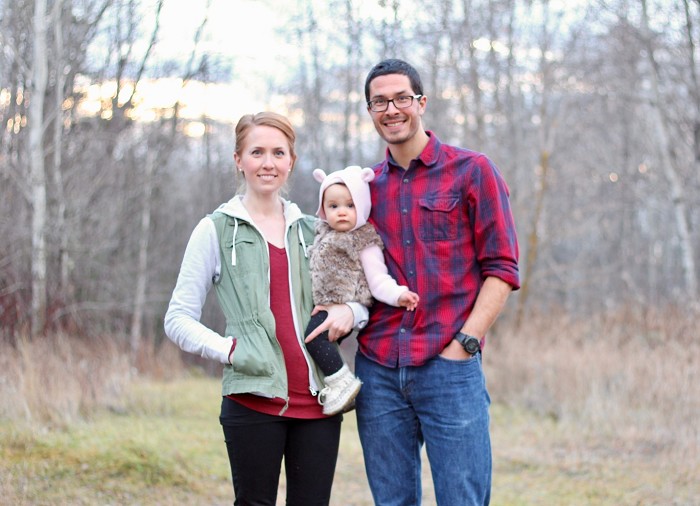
pixel 403 331
pixel 408 241
pixel 404 211
pixel 405 180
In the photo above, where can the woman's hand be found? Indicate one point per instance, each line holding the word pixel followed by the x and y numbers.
pixel 338 323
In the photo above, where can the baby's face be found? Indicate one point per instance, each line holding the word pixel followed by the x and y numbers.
pixel 341 214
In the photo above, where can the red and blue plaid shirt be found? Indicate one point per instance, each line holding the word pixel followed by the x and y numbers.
pixel 446 224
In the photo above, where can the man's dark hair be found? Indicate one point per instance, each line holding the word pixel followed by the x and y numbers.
pixel 394 66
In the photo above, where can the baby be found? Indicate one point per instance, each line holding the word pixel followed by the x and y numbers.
pixel 347 265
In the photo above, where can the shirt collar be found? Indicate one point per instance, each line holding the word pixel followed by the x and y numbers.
pixel 428 157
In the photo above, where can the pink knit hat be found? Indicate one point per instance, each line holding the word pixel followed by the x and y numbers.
pixel 357 180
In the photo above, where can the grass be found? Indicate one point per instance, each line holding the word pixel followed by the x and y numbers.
pixel 162 448
pixel 542 461
pixel 165 448
pixel 601 412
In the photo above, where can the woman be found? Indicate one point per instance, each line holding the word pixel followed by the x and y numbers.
pixel 252 250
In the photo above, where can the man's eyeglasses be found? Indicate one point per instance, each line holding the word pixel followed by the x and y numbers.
pixel 382 104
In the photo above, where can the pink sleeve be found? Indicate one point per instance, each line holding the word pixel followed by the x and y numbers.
pixel 382 286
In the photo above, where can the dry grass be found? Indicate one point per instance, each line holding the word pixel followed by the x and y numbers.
pixel 601 412
pixel 59 380
pixel 633 379
pixel 161 448
pixel 56 381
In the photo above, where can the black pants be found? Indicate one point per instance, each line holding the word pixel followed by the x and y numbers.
pixel 324 353
pixel 256 443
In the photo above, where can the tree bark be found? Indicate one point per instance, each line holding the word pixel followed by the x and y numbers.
pixel 38 169
pixel 669 166
pixel 142 276
pixel 695 81
pixel 533 239
pixel 61 233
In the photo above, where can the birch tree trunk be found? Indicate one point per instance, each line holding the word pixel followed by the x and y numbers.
pixel 152 158
pixel 695 82
pixel 37 168
pixel 669 166
pixel 142 276
pixel 351 112
pixel 474 78
pixel 60 219
pixel 513 115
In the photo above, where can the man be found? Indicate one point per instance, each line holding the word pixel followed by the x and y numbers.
pixel 445 219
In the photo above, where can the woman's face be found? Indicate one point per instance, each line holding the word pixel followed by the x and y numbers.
pixel 265 160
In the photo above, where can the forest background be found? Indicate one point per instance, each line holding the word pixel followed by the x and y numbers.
pixel 117 138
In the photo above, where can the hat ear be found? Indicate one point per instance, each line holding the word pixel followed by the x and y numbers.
pixel 367 174
pixel 319 175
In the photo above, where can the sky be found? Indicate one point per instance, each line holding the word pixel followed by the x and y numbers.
pixel 246 34
pixel 246 29
pixel 249 37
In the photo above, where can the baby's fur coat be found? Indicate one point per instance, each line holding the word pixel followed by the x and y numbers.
pixel 336 271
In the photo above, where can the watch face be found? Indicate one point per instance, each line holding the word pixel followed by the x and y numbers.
pixel 472 345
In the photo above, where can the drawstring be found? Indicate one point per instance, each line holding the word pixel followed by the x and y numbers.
pixel 235 231
pixel 233 248
pixel 303 242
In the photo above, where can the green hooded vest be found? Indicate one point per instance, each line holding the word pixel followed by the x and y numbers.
pixel 243 292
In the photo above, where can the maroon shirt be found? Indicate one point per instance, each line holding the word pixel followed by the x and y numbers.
pixel 301 403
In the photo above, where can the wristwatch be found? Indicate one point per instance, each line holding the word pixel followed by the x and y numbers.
pixel 470 343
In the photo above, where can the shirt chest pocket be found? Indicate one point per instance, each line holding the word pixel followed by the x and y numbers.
pixel 439 218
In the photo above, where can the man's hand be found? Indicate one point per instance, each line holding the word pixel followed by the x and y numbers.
pixel 338 323
pixel 455 351
pixel 491 299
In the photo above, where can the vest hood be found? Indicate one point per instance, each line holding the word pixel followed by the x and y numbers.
pixel 236 210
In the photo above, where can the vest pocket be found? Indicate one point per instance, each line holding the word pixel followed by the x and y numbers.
pixel 254 352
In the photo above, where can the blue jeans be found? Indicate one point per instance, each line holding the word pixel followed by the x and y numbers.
pixel 443 403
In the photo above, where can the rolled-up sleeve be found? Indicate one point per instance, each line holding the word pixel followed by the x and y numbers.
pixel 495 235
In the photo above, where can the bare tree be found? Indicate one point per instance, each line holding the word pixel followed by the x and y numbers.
pixel 158 151
pixel 142 270
pixel 151 159
pixel 695 81
pixel 352 108
pixel 592 115
pixel 547 132
pixel 669 162
pixel 37 167
pixel 57 173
